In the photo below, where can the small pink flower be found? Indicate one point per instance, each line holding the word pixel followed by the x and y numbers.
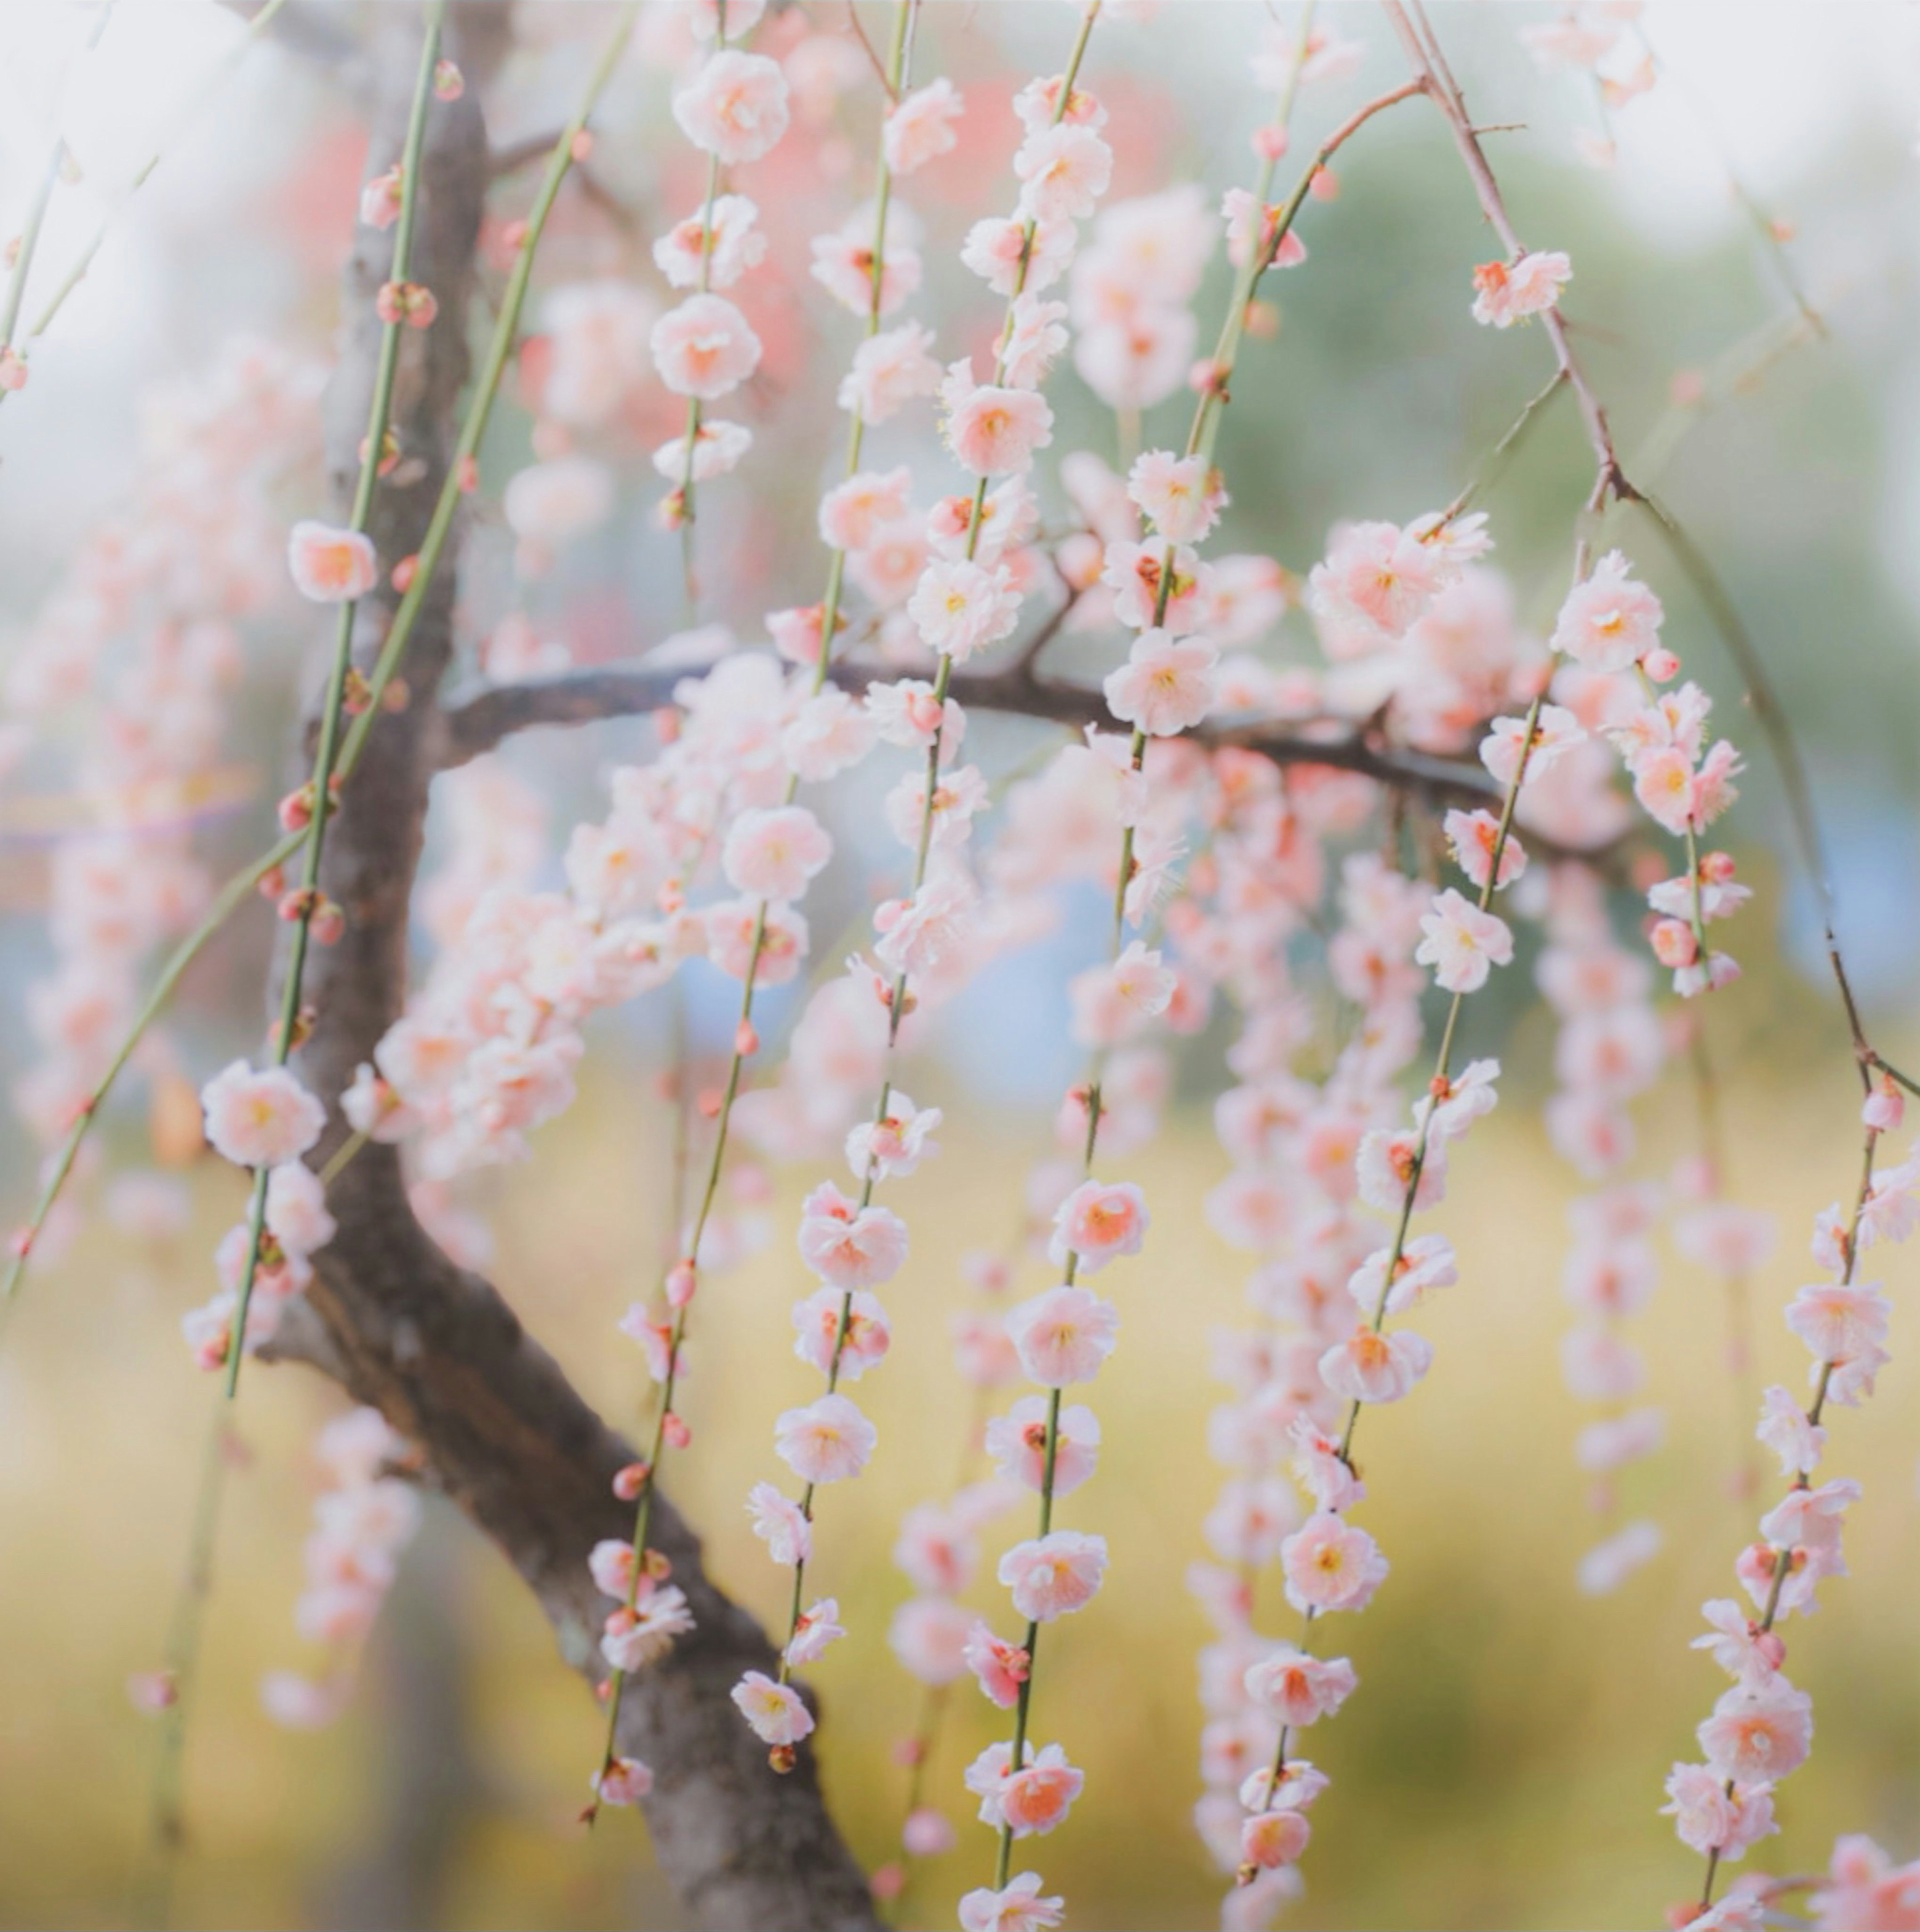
pixel 997 248
pixel 853 513
pixel 1099 1221
pixel 1608 621
pixel 920 932
pixel 779 1523
pixel 1368 1366
pixel 843 264
pixel 889 371
pixel 734 108
pixel 849 1246
pixel 1018 1907
pixel 1034 1799
pixel 1472 835
pixel 1271 1839
pixel 632 1638
pixel 992 431
pixel 1113 1003
pixel 260 1119
pixel 330 565
pixel 814 1629
pixel 895 1144
pixel 1054 1575
pixel 612 1566
pixel 1298 1689
pixel 774 1710
pixel 959 607
pixel 1036 335
pixel 1001 1668
pixel 1182 496
pixel 717 449
pixel 919 128
pixel 861 1340
pixel 1556 732
pixel 625 1780
pixel 296 1211
pixel 704 348
pixel 774 853
pixel 379 199
pixel 1758 1735
pixel 928 1635
pixel 1063 171
pixel 1063 1335
pixel 726 250
pixel 1506 293
pixel 1839 1321
pixel 1463 943
pixel 1017 1442
pixel 827 1441
pixel 1166 684
pixel 1785 1430
pixel 1330 1565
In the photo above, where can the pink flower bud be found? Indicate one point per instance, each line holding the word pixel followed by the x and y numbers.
pixel 13 370
pixel 628 1481
pixel 1269 142
pixel 328 923
pixel 1673 943
pixel 682 1279
pixel 296 809
pixel 1324 186
pixel 403 574
pixel 887 1883
pixel 1660 665
pixel 674 1433
pixel 745 1040
pixel 470 475
pixel 448 83
pixel 1886 1107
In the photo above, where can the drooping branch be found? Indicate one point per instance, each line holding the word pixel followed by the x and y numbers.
pixel 435 1347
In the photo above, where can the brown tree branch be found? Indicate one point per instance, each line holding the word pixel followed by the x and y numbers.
pixel 433 1347
pixel 487 715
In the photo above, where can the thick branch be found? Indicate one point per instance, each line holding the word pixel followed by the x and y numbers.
pixel 435 1349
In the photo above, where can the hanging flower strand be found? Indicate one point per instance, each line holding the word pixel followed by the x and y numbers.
pixel 964 600
pixel 733 110
pixel 266 1119
pixel 770 855
pixel 1167 685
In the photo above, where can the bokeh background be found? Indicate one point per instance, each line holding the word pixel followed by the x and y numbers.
pixel 1502 1765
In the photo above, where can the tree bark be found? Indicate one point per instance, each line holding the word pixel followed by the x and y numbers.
pixel 432 1346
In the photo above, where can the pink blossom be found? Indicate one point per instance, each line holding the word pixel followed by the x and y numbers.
pixel 958 607
pixel 1016 1443
pixel 632 1638
pixel 1271 1839
pixel 704 348
pixel 1472 837
pixel 1509 291
pixel 1099 1221
pixel 729 926
pixel 1112 1003
pixel 734 107
pixel 889 371
pixel 380 198
pixel 818 1324
pixel 1866 1891
pixel 774 1710
pixel 848 1245
pixel 919 933
pixel 1785 1430
pixel 1387 1164
pixel 1323 1472
pixel 1739 1646
pixel 830 733
pixel 1181 496
pixel 781 1525
pixel 1838 1321
pixel 1710 1820
pixel 330 565
pixel 296 1211
pixel 1556 732
pixel 1463 943
pixel 896 1144
pixel 999 1667
pixel 1018 1906
pixel 919 127
pixel 904 713
pixel 1036 335
pixel 1063 1335
pixel 1166 685
pixel 1330 1565
pixel 774 853
pixel 814 1630
pixel 1054 1575
pixel 260 1119
pixel 1758 1735
pixel 726 250
pixel 611 1564
pixel 928 1635
pixel 844 266
pixel 992 431
pixel 1608 621
pixel 1063 171
pixel 853 513
pixel 623 1780
pixel 1035 1799
pixel 1369 1366
pixel 999 251
pixel 827 1441
pixel 1297 1688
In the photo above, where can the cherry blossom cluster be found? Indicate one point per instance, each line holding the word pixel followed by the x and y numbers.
pixel 139 645
pixel 1610 1047
pixel 1761 1727
pixel 362 1522
pixel 966 598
